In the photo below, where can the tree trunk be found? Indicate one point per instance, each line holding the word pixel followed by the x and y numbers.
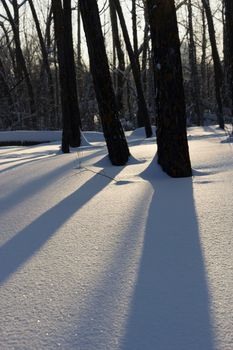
pixel 134 29
pixel 143 117
pixel 195 88
pixel 229 44
pixel 113 132
pixel 5 93
pixel 173 154
pixel 120 56
pixel 145 51
pixel 203 57
pixel 80 86
pixel 217 64
pixel 70 109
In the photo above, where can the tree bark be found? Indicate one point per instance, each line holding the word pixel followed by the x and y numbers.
pixel 134 28
pixel 195 86
pixel 173 154
pixel 68 90
pixel 203 56
pixel 145 51
pixel 113 132
pixel 229 44
pixel 120 56
pixel 6 93
pixel 218 75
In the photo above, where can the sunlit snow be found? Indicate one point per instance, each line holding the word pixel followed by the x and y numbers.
pixel 97 257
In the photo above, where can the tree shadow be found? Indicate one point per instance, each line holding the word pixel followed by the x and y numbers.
pixel 36 184
pixel 15 252
pixel 102 310
pixel 20 163
pixel 22 159
pixel 170 306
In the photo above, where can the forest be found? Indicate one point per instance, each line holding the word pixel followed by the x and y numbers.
pixel 116 174
pixel 78 65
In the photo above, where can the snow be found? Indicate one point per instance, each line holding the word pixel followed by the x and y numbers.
pixel 26 135
pixel 96 257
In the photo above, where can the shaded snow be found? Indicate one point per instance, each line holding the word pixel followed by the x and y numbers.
pixel 45 136
pixel 96 257
pixel 25 135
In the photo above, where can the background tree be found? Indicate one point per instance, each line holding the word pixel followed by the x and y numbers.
pixel 218 75
pixel 142 113
pixel 229 45
pixel 46 64
pixel 21 67
pixel 36 87
pixel 195 86
pixel 117 47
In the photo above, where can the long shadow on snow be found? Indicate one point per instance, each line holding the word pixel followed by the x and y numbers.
pixel 35 185
pixel 170 306
pixel 15 252
pixel 37 156
pixel 22 162
pixel 100 319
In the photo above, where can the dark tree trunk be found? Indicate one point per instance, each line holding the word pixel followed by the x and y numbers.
pixel 218 75
pixel 79 55
pixel 120 56
pixel 51 46
pixel 10 49
pixel 173 153
pixel 229 44
pixel 80 86
pixel 134 28
pixel 146 59
pixel 193 65
pixel 143 117
pixel 113 132
pixel 70 109
pixel 203 57
pixel 5 93
pixel 71 72
pixel 145 50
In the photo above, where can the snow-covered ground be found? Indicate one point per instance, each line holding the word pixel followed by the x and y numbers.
pixel 97 257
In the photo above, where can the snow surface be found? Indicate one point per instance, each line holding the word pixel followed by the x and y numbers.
pixel 97 257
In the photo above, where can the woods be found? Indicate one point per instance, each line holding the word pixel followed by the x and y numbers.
pixel 88 65
pixel 116 174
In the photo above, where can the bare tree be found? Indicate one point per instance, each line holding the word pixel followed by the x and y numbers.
pixel 229 43
pixel 173 154
pixel 69 99
pixel 21 67
pixel 46 65
pixel 5 94
pixel 113 132
pixel 218 75
pixel 142 114
pixel 117 46
pixel 195 86
pixel 203 56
